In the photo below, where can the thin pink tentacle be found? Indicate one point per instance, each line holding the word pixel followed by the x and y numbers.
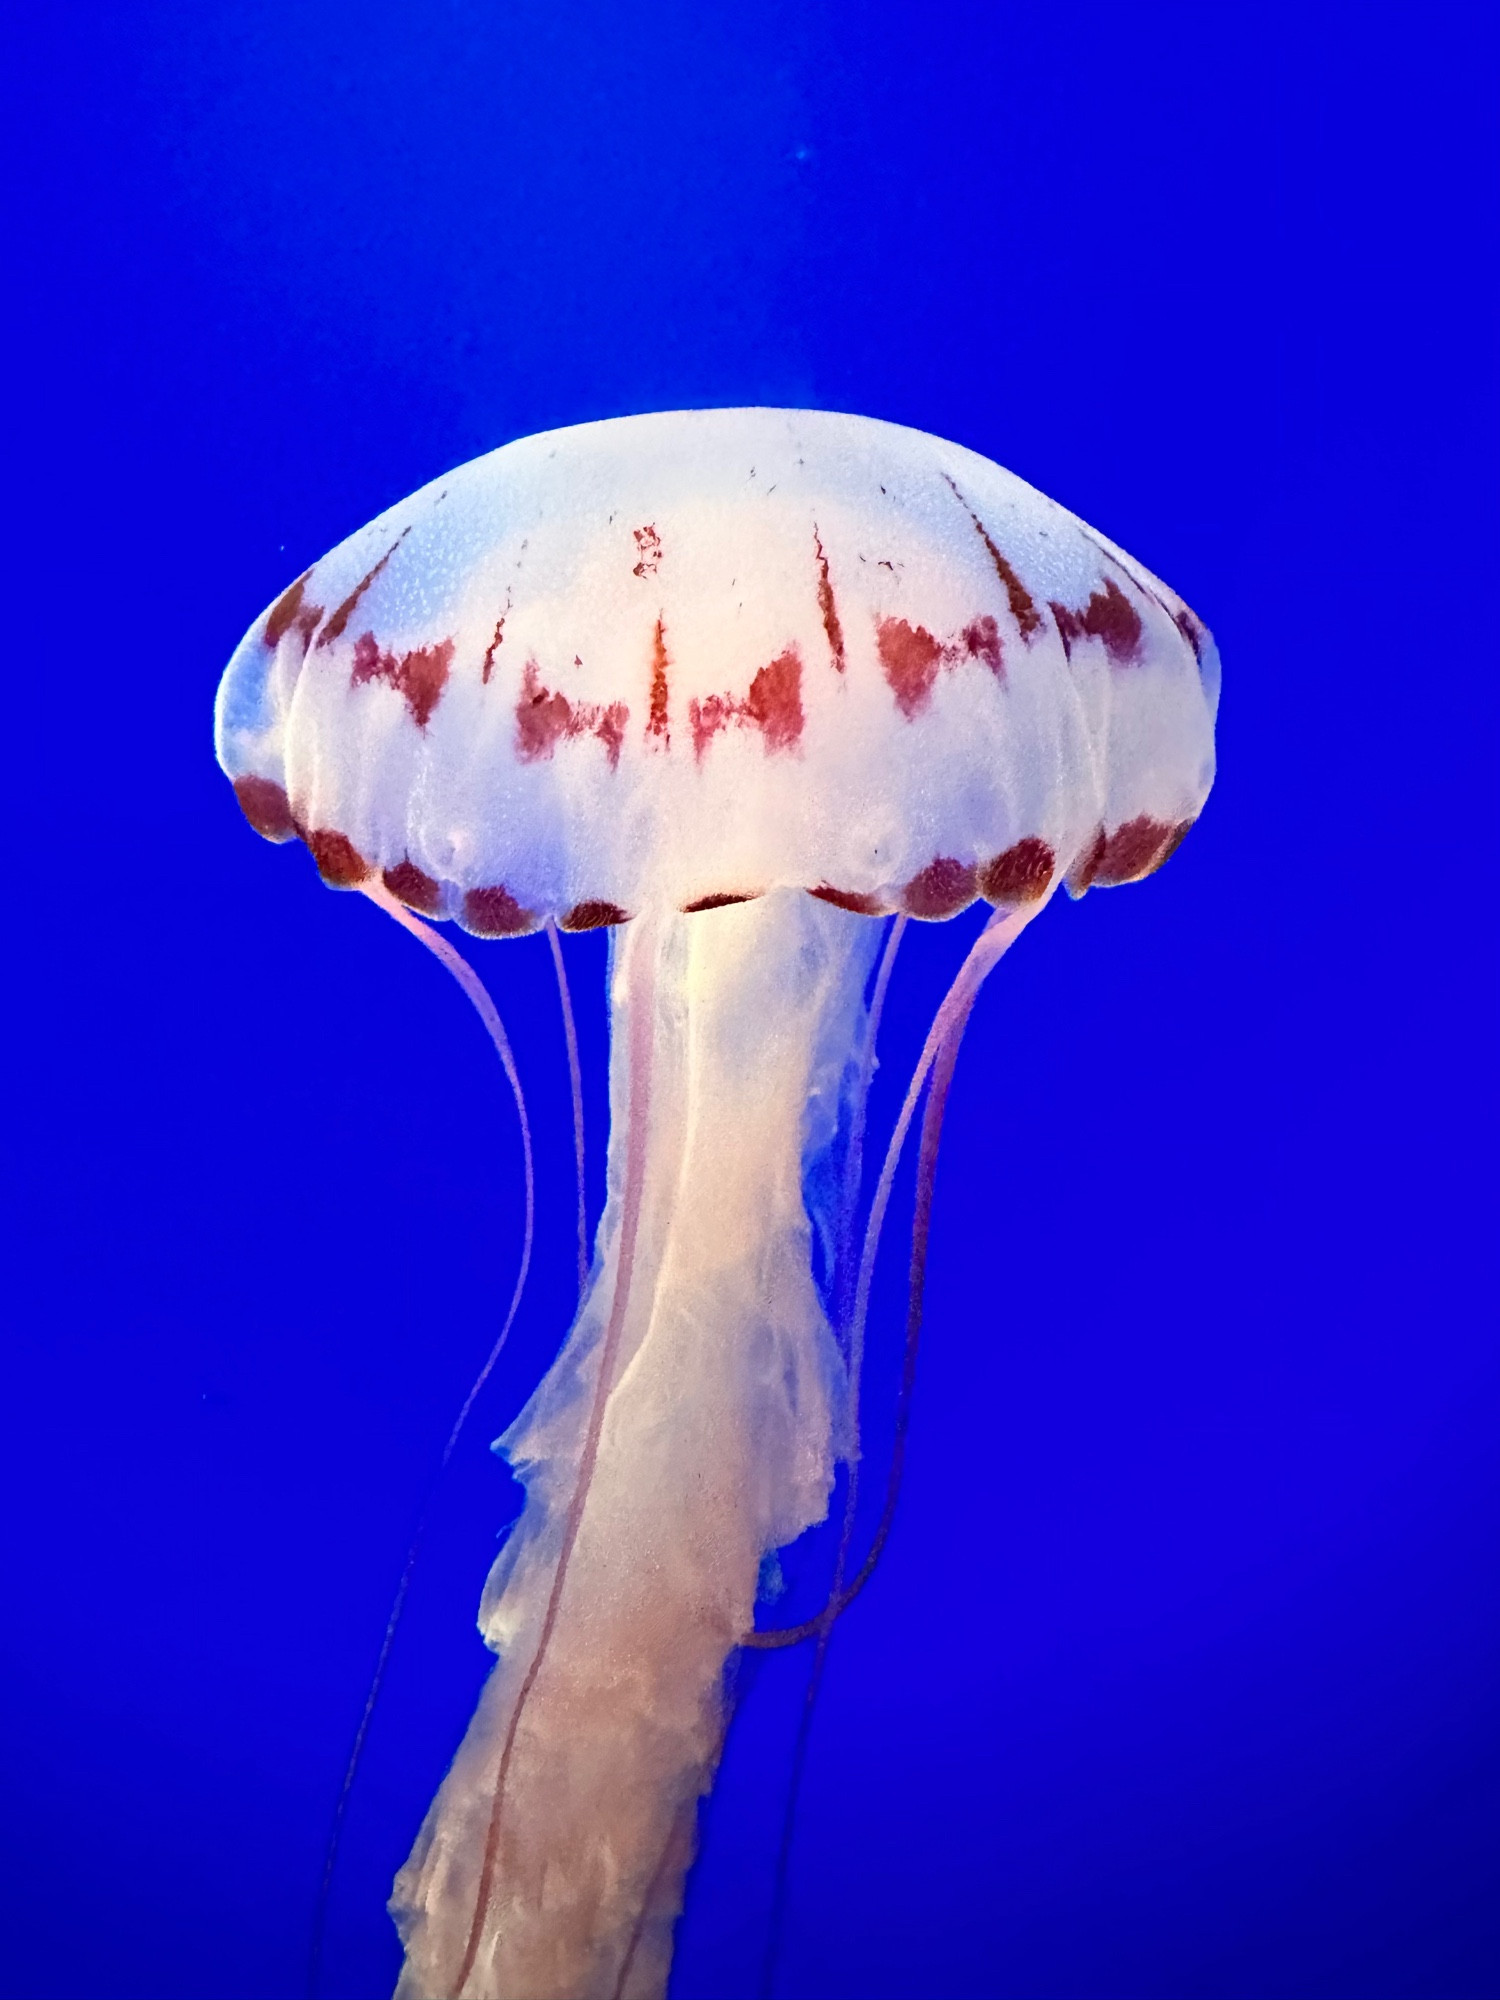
pixel 927 1158
pixel 575 1078
pixel 473 987
pixel 855 1158
pixel 484 1006
pixel 840 1599
pixel 938 1059
pixel 642 1029
pixel 999 934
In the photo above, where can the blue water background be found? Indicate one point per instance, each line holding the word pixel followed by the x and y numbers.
pixel 1180 1675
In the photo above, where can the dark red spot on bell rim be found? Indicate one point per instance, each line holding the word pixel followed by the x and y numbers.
pixel 1084 868
pixel 719 902
pixel 592 917
pixel 266 807
pixel 1174 840
pixel 943 888
pixel 340 862
pixel 495 913
pixel 1020 875
pixel 1136 849
pixel 418 891
pixel 853 900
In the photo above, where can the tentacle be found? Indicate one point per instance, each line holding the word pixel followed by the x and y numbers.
pixel 838 1601
pixel 935 1066
pixel 998 935
pixel 854 1160
pixel 641 1028
pixel 575 1078
pixel 989 948
pixel 927 1157
pixel 474 988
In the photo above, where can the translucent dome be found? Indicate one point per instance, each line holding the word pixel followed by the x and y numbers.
pixel 671 661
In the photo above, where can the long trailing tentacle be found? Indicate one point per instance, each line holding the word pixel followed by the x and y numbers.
pixel 935 1072
pixel 854 1160
pixel 575 1079
pixel 641 1030
pixel 993 942
pixel 474 988
pixel 927 1156
pixel 842 1595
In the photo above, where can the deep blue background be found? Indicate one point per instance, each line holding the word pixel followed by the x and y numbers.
pixel 1180 1676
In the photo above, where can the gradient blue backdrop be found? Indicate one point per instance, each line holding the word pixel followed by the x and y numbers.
pixel 1180 1676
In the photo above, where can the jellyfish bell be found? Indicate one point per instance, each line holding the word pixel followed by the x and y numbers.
pixel 732 683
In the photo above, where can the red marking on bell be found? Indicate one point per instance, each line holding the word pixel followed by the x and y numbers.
pixel 292 611
pixel 773 706
pixel 657 722
pixel 334 629
pixel 827 607
pixel 1110 616
pixel 545 719
pixel 911 658
pixel 648 548
pixel 419 677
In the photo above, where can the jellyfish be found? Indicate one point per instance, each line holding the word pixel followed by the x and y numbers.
pixel 736 684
